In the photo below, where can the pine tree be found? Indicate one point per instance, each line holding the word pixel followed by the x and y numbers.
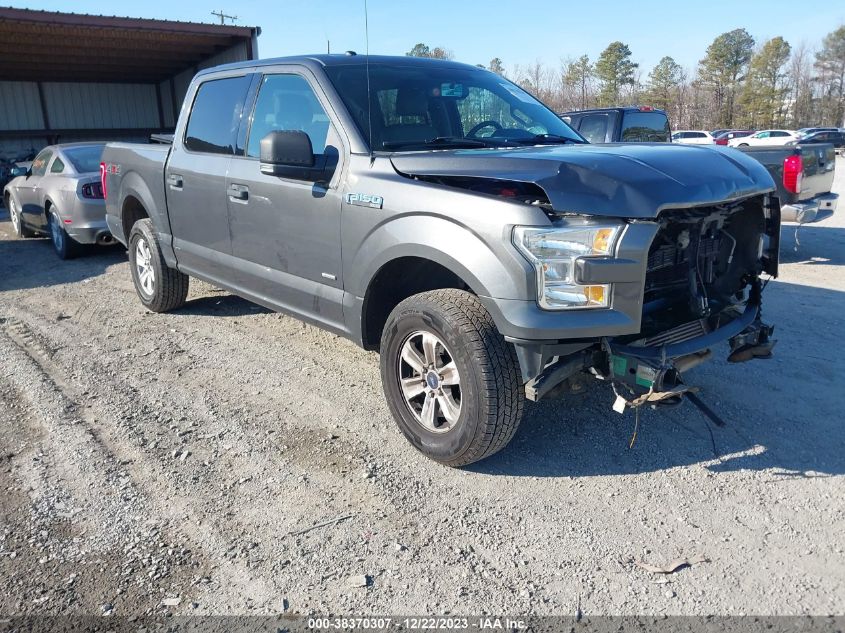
pixel 615 69
pixel 722 70
pixel 579 74
pixel 830 64
pixel 765 89
pixel 663 83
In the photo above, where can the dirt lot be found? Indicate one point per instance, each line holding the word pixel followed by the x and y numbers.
pixel 173 463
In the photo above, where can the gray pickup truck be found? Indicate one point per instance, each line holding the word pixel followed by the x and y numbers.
pixel 803 175
pixel 439 214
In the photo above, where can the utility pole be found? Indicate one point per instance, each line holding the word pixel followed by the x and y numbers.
pixel 223 17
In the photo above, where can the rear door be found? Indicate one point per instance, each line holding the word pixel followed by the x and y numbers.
pixel 286 232
pixel 195 175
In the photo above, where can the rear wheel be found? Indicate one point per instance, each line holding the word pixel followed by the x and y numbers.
pixel 451 381
pixel 159 287
pixel 17 221
pixel 65 246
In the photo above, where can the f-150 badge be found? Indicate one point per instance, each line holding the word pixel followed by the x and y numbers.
pixel 365 200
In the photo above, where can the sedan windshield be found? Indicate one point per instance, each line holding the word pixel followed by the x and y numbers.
pixel 85 158
pixel 442 107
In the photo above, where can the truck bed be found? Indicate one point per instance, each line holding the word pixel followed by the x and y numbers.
pixel 819 163
pixel 135 169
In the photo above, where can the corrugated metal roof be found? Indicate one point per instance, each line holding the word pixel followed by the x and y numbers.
pixel 84 47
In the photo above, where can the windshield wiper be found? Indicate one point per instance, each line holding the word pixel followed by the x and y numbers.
pixel 442 141
pixel 539 139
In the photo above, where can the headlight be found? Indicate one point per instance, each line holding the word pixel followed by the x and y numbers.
pixel 553 252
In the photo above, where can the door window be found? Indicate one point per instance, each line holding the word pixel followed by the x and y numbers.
pixel 216 115
pixel 287 102
pixel 39 165
pixel 594 128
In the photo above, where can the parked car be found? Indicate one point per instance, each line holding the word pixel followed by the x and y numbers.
pixel 715 133
pixel 461 228
pixel 804 177
pixel 837 139
pixel 692 137
pixel 764 137
pixel 60 195
pixel 809 130
pixel 620 125
pixel 727 135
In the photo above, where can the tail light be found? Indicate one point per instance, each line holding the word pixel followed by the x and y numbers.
pixel 103 189
pixel 793 168
pixel 93 190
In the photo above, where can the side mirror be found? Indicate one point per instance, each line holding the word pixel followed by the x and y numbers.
pixel 14 172
pixel 288 153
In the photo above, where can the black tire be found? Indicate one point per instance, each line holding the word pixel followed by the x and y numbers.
pixel 167 289
pixel 65 246
pixel 743 145
pixel 490 392
pixel 21 230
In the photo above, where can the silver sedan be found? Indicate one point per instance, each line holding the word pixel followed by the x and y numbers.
pixel 60 195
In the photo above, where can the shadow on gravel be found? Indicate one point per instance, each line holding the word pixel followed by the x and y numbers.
pixel 32 263
pixel 224 304
pixel 783 415
pixel 817 245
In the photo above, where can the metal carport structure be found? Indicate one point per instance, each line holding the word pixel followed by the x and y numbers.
pixel 67 76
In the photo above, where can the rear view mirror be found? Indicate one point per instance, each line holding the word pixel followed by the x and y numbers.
pixel 287 153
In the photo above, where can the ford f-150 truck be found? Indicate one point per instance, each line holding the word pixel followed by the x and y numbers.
pixel 441 215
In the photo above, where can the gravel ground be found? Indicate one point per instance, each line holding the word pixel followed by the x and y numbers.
pixel 174 463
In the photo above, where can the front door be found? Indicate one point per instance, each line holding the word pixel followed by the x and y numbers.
pixel 286 233
pixel 195 178
pixel 28 193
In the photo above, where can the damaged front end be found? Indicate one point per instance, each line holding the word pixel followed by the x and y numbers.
pixel 703 285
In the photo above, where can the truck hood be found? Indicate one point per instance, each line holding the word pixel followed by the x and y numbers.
pixel 619 179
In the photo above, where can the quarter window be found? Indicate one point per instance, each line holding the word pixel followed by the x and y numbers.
pixel 216 115
pixel 287 102
pixel 39 165
pixel 57 167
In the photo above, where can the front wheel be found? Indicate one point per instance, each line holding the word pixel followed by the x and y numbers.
pixel 159 287
pixel 451 381
pixel 21 230
pixel 743 145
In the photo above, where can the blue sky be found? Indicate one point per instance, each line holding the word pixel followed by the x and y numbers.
pixel 517 32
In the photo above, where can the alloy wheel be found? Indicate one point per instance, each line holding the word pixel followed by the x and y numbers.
pixel 430 382
pixel 144 266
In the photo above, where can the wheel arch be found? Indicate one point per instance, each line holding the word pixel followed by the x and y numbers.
pixel 418 253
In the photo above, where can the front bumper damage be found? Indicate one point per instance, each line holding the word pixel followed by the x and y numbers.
pixel 649 366
pixel 702 288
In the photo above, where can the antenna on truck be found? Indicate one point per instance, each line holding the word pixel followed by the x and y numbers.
pixel 369 95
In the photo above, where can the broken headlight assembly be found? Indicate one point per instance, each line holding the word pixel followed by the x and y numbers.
pixel 554 250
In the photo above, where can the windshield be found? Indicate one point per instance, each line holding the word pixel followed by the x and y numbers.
pixel 414 107
pixel 84 159
pixel 645 127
